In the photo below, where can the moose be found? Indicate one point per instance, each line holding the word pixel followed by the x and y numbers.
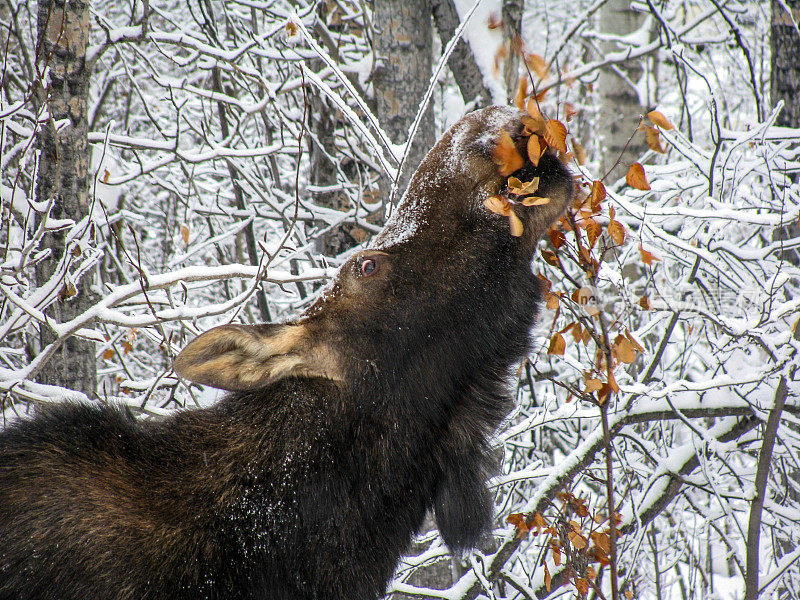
pixel 342 428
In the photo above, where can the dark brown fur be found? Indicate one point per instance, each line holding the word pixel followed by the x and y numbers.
pixel 343 429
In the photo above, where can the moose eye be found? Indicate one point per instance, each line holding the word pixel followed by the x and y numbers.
pixel 368 267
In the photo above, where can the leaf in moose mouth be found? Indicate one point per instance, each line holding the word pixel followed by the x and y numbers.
pixel 535 201
pixel 515 186
pixel 505 155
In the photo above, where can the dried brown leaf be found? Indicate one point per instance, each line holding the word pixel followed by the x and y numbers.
pixel 624 350
pixel 557 237
pixel 538 65
pixel 660 120
pixel 522 188
pixel 647 256
pixel 534 149
pixel 653 138
pixel 498 205
pixel 580 153
pixel 598 194
pixel 505 155
pixel 522 92
pixel 617 232
pixel 555 134
pixel 517 228
pixel 636 177
pixel 557 345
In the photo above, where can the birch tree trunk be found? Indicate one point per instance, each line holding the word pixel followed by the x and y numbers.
pixel 63 178
pixel 618 102
pixel 403 42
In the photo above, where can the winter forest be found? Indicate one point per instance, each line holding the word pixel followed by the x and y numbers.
pixel 215 161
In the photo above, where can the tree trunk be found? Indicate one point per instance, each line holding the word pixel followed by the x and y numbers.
pixel 462 64
pixel 63 178
pixel 618 103
pixel 785 45
pixel 785 85
pixel 403 40
pixel 512 30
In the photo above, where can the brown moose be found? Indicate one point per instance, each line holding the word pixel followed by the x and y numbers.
pixel 343 427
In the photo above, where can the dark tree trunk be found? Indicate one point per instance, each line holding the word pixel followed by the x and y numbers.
pixel 785 45
pixel 785 85
pixel 462 64
pixel 403 45
pixel 63 177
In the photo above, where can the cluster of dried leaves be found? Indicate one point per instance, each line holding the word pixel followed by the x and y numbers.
pixel 578 537
pixel 541 133
pixel 587 235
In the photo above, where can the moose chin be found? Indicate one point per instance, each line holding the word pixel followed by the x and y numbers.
pixel 342 428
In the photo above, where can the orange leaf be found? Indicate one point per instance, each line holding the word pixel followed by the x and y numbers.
pixel 598 194
pixel 647 256
pixel 505 155
pixel 577 540
pixel 535 201
pixel 624 350
pixel 518 520
pixel 633 341
pixel 644 302
pixel 660 120
pixel 517 228
pixel 557 345
pixel 185 229
pixel 612 382
pixel 538 522
pixel 557 238
pixel 617 232
pixel 536 115
pixel 547 579
pixel 580 153
pixel 126 347
pixel 602 541
pixel 551 301
pixel 520 188
pixel 636 177
pixel 582 585
pixel 555 134
pixel 534 149
pixel 108 354
pixel 593 231
pixel 569 111
pixel 592 385
pixel 538 65
pixel 495 21
pixel 522 92
pixel 653 137
pixel 550 257
pixel 556 549
pixel 498 205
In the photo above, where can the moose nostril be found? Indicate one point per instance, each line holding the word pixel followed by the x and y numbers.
pixel 368 267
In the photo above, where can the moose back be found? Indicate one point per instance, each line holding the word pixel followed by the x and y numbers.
pixel 342 428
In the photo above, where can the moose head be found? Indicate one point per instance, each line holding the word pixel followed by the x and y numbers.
pixel 343 427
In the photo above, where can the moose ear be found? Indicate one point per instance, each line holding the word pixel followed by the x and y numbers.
pixel 246 357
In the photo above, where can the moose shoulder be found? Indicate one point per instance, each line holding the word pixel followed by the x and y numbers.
pixel 341 430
